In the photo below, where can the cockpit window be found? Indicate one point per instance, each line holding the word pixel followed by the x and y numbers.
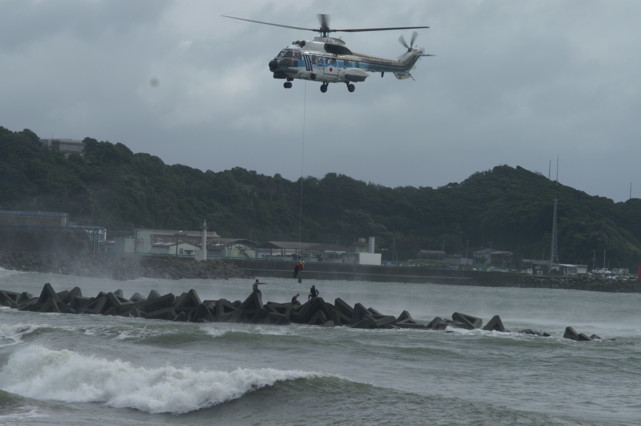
pixel 286 53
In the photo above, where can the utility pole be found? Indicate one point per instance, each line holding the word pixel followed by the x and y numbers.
pixel 203 241
pixel 177 234
pixel 554 255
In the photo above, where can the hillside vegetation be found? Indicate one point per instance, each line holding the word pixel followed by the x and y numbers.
pixel 504 208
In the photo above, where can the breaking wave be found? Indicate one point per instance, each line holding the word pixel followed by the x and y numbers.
pixel 12 334
pixel 64 375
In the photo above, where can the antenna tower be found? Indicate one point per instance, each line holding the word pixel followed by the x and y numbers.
pixel 554 254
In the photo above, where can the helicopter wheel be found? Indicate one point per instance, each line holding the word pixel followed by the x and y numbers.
pixel 351 87
pixel 287 85
pixel 323 87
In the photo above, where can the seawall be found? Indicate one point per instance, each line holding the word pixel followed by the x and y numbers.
pixel 188 307
pixel 169 267
pixel 418 274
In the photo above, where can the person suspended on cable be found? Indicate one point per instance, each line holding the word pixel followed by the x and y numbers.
pixel 298 268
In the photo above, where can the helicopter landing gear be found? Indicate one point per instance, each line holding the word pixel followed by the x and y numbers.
pixel 324 87
pixel 350 87
pixel 287 85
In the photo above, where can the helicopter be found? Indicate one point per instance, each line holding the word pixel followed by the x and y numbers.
pixel 328 59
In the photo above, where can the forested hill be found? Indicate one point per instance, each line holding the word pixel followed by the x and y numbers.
pixel 505 208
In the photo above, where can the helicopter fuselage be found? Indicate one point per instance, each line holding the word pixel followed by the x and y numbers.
pixel 328 60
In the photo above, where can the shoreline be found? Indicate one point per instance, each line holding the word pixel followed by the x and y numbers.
pixel 167 267
pixel 418 274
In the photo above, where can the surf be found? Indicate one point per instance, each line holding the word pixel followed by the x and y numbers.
pixel 69 376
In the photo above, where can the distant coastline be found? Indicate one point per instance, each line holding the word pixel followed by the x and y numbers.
pixel 418 274
pixel 127 268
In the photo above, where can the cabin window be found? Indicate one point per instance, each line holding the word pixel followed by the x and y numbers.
pixel 331 61
pixel 347 63
pixel 337 49
pixel 357 64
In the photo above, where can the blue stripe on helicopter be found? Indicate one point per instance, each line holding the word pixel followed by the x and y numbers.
pixel 308 62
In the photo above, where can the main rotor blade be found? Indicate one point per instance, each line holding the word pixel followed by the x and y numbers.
pixel 356 30
pixel 324 21
pixel 324 26
pixel 272 24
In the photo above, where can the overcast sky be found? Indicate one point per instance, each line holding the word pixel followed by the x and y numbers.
pixel 521 83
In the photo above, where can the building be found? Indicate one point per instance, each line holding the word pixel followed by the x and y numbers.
pixel 431 254
pixel 97 234
pixel 65 146
pixel 319 252
pixel 544 267
pixel 495 258
pixel 231 247
pixel 151 241
pixel 287 250
pixel 190 244
pixel 36 231
pixel 167 248
pixel 185 243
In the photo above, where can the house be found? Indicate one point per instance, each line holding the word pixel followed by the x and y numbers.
pixel 185 243
pixel 145 239
pixel 285 250
pixel 190 243
pixel 544 267
pixel 491 257
pixel 168 248
pixel 231 247
pixel 65 146
pixel 431 254
pixel 318 252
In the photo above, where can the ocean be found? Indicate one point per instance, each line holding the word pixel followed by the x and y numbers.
pixel 62 369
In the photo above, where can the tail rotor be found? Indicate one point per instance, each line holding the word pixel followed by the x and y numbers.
pixel 409 46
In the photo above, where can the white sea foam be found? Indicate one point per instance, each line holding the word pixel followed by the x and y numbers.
pixel 64 375
pixel 22 416
pixel 219 329
pixel 8 272
pixel 11 334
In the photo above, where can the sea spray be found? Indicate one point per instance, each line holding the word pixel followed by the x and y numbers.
pixel 12 334
pixel 69 376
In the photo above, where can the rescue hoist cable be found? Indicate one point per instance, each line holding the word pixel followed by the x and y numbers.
pixel 302 165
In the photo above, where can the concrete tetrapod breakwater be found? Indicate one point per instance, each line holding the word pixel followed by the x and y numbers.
pixel 188 307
